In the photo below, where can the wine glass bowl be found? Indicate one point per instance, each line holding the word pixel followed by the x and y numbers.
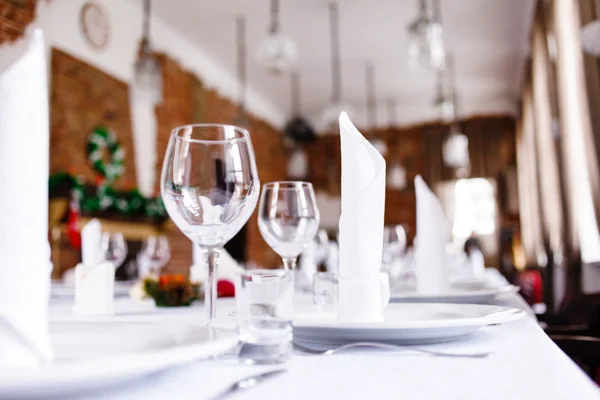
pixel 210 188
pixel 114 248
pixel 155 254
pixel 288 218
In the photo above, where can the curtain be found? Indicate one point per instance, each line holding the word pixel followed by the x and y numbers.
pixel 581 173
pixel 546 143
pixel 529 210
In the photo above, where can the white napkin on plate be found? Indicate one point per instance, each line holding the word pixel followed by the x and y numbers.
pixel 430 250
pixel 94 277
pixel 24 250
pixel 363 291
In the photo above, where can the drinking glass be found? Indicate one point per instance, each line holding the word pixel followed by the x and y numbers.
pixel 288 218
pixel 114 248
pixel 154 255
pixel 210 187
pixel 265 308
pixel 394 242
pixel 325 291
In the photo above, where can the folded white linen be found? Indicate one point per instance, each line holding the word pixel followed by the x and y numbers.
pixel 363 291
pixel 24 250
pixel 430 250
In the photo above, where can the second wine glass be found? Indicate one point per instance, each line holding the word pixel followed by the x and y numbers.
pixel 288 218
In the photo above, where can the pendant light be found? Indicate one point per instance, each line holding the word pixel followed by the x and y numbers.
pixel 332 113
pixel 443 101
pixel 371 107
pixel 396 173
pixel 147 75
pixel 300 131
pixel 426 38
pixel 242 117
pixel 456 147
pixel 277 52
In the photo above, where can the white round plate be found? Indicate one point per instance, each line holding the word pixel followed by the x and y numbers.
pixel 458 293
pixel 93 353
pixel 405 324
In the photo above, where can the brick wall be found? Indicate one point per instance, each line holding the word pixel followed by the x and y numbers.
pixel 14 18
pixel 83 98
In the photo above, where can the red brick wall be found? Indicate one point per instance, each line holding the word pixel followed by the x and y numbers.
pixel 14 18
pixel 82 99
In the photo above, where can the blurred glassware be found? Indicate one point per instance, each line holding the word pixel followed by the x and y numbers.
pixel 394 243
pixel 264 309
pixel 288 218
pixel 114 248
pixel 210 188
pixel 154 255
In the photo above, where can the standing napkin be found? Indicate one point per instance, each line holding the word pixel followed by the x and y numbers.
pixel 363 291
pixel 24 250
pixel 430 252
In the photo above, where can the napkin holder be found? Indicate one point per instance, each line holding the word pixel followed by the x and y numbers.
pixel 363 299
pixel 94 289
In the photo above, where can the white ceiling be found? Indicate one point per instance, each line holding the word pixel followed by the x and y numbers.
pixel 489 40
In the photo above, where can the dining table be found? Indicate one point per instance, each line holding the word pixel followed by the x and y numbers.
pixel 524 364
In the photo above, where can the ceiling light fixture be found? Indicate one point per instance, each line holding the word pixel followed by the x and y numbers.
pixel 426 47
pixel 277 52
pixel 147 74
pixel 330 117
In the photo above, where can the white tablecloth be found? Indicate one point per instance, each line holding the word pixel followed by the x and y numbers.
pixel 525 365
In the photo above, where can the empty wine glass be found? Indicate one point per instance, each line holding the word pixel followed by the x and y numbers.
pixel 288 218
pixel 210 188
pixel 154 255
pixel 114 248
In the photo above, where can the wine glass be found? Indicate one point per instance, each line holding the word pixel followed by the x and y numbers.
pixel 288 218
pixel 394 242
pixel 154 255
pixel 114 248
pixel 210 188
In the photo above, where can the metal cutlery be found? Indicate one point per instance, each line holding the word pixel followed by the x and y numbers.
pixel 386 346
pixel 248 382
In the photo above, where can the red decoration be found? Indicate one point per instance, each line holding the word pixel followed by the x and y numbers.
pixel 73 229
pixel 225 288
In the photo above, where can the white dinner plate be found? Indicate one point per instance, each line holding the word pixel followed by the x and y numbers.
pixel 457 293
pixel 63 291
pixel 405 324
pixel 94 353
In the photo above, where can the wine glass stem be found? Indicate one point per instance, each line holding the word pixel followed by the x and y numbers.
pixel 289 263
pixel 210 295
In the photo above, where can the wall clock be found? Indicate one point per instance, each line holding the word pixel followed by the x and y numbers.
pixel 94 25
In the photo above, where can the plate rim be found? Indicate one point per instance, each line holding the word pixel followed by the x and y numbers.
pixel 503 315
pixel 490 292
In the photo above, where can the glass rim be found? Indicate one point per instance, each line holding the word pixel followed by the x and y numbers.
pixel 288 185
pixel 175 133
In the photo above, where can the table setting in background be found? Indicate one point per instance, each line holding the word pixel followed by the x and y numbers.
pixel 382 321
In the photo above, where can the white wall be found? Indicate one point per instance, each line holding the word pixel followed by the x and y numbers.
pixel 59 20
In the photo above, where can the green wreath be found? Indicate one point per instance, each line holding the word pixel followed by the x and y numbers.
pixel 100 140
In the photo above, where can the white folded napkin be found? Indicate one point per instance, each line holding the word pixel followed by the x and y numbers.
pixel 430 251
pixel 24 250
pixel 363 291
pixel 228 266
pixel 476 263
pixel 94 277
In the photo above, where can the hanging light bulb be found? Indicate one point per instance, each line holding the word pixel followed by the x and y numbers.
pixel 298 165
pixel 147 74
pixel 277 52
pixel 396 176
pixel 456 149
pixel 426 40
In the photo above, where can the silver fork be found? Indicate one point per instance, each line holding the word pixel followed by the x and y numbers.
pixel 386 346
